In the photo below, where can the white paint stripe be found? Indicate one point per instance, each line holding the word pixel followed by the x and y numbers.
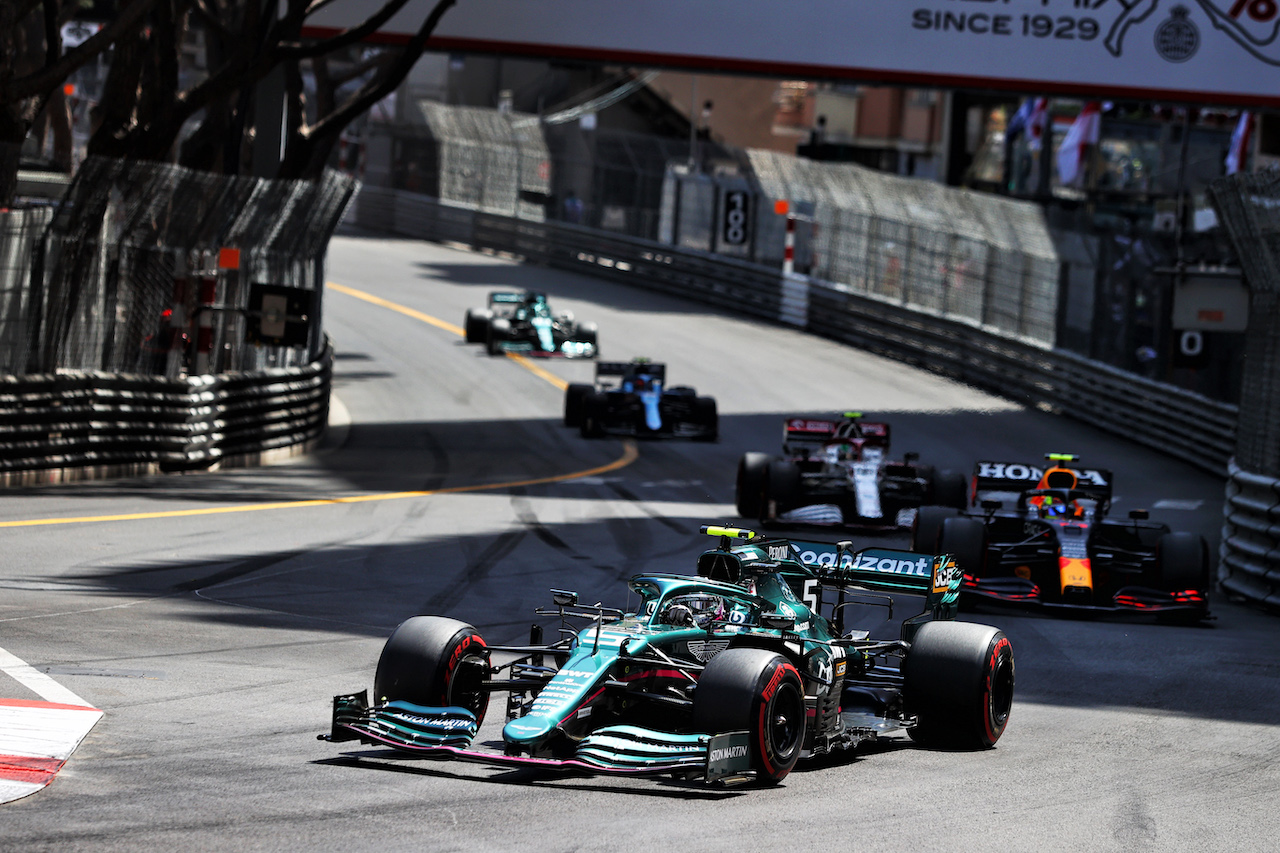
pixel 43 685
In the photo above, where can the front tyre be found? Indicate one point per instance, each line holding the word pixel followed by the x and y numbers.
pixel 573 397
pixel 476 325
pixel 588 333
pixel 759 692
pixel 1184 565
pixel 927 526
pixel 950 488
pixel 958 682
pixel 784 486
pixel 499 333
pixel 590 424
pixel 965 539
pixel 753 471
pixel 434 661
pixel 706 416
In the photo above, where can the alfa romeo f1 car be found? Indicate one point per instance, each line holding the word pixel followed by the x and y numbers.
pixel 522 322
pixel 730 676
pixel 632 398
pixel 1042 536
pixel 839 472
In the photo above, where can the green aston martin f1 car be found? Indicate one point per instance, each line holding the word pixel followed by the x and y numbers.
pixel 728 676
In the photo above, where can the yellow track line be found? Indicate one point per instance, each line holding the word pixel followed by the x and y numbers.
pixel 629 454
pixel 408 312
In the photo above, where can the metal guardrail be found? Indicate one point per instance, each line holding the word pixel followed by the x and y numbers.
pixel 75 425
pixel 1181 424
pixel 1185 425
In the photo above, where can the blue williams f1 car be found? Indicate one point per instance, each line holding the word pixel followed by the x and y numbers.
pixel 633 398
pixel 728 676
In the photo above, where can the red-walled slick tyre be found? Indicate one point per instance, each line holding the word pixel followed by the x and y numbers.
pixel 436 662
pixel 760 692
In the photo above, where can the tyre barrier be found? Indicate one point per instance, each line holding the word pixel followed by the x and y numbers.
pixel 80 425
pixel 1151 413
pixel 1181 424
pixel 1249 559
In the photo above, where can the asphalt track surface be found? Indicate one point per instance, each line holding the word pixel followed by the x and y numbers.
pixel 212 616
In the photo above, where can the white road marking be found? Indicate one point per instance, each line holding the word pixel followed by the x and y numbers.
pixel 43 686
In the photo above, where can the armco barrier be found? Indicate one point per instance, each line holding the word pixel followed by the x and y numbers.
pixel 1250 558
pixel 78 425
pixel 1181 424
pixel 1185 425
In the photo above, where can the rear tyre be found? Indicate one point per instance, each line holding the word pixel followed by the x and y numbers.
pixel 705 416
pixel 958 683
pixel 1184 564
pixel 951 489
pixel 476 325
pixel 759 692
pixel 927 526
pixel 434 661
pixel 593 405
pixel 748 491
pixel 588 333
pixel 783 485
pixel 573 397
pixel 499 332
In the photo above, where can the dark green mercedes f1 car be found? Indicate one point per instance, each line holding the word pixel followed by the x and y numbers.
pixel 728 676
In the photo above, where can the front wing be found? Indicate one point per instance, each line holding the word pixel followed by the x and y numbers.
pixel 1131 599
pixel 447 733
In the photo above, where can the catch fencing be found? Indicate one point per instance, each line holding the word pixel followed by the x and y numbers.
pixel 1152 413
pixel 1248 205
pixel 160 308
pixel 1047 277
pixel 1182 424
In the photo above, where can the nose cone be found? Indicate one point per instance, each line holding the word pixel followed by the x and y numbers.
pixel 529 732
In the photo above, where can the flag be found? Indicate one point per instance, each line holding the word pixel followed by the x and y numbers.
pixel 1084 132
pixel 1018 121
pixel 1239 150
pixel 1036 123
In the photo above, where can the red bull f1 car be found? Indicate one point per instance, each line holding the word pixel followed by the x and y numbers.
pixel 1041 535
pixel 728 676
pixel 838 472
pixel 633 398
pixel 522 322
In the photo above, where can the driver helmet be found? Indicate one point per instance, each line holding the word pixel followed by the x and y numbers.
pixel 690 610
pixel 1058 508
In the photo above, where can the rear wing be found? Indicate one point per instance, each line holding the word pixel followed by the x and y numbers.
pixel 505 297
pixel 655 369
pixel 808 432
pixel 882 569
pixel 934 576
pixel 1018 477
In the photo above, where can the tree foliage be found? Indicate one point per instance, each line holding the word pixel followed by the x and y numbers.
pixel 149 110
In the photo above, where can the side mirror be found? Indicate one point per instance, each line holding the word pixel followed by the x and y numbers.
pixel 988 503
pixel 908 458
pixel 564 598
pixel 1139 514
pixel 778 621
